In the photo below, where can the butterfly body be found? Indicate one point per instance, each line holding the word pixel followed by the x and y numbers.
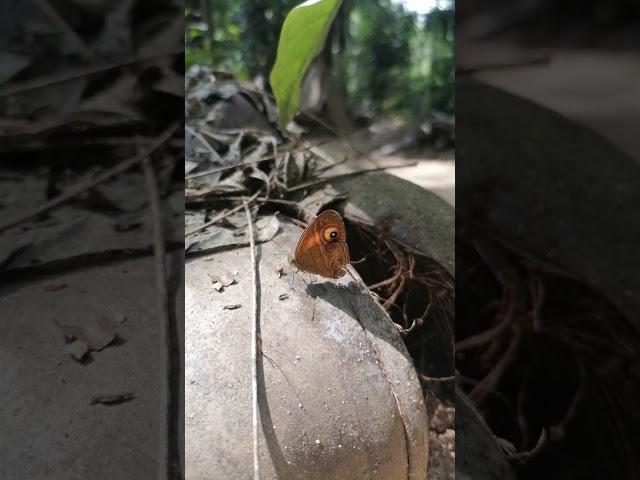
pixel 322 247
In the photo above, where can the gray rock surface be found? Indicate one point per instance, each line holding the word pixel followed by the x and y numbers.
pixel 338 395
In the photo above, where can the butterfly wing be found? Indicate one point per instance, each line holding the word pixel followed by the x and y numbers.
pixel 315 254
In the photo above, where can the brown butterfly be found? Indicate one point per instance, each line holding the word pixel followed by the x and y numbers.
pixel 322 247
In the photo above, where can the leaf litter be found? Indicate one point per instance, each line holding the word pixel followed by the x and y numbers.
pixel 68 106
pixel 234 150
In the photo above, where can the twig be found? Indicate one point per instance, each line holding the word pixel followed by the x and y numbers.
pixel 41 82
pixel 486 336
pixel 77 143
pixel 244 164
pixel 491 380
pixel 222 215
pixel 277 201
pixel 348 174
pixel 388 281
pixel 448 379
pixel 254 340
pixel 90 181
pixel 162 299
pixel 395 294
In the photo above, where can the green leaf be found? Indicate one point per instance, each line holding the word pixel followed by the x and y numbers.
pixel 301 40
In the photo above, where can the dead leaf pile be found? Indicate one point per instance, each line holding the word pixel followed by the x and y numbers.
pixel 234 153
pixel 75 101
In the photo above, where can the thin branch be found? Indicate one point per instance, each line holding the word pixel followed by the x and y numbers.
pixel 91 180
pixel 388 281
pixel 254 342
pixel 490 381
pixel 222 215
pixel 244 164
pixel 347 174
pixel 52 79
pixel 450 379
pixel 77 143
pixel 395 294
pixel 162 300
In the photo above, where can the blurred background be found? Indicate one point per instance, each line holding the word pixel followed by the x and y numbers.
pixel 386 63
pixel 392 57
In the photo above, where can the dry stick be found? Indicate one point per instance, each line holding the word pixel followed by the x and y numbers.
pixel 486 336
pixel 277 201
pixel 395 294
pixel 244 164
pixel 491 380
pixel 89 181
pixel 348 174
pixel 388 281
pixel 91 142
pixel 272 157
pixel 162 299
pixel 18 87
pixel 451 378
pixel 254 342
pixel 222 215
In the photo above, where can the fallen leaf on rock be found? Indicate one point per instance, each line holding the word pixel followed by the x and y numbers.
pixel 78 350
pixel 96 333
pixel 220 282
pixel 54 287
pixel 112 399
pixel 231 307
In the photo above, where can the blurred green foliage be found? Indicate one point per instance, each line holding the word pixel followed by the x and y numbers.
pixel 390 60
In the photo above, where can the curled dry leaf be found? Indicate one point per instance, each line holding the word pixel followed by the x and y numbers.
pixel 112 399
pixel 78 350
pixel 96 333
pixel 220 282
